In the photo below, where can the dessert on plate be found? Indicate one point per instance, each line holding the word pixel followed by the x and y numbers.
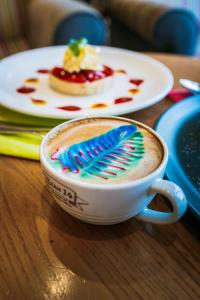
pixel 82 73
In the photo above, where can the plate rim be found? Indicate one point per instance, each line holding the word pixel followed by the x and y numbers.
pixel 194 98
pixel 72 115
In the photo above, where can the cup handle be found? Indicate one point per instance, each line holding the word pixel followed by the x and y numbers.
pixel 177 198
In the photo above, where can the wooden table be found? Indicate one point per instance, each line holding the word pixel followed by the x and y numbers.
pixel 47 254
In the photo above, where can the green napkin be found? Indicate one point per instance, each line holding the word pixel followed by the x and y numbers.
pixel 24 145
pixel 13 117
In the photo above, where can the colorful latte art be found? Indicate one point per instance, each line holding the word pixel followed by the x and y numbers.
pixel 107 156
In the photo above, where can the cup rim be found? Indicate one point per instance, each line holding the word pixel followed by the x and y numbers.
pixel 101 186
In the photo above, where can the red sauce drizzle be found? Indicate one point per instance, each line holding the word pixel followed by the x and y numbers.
pixel 25 90
pixel 43 71
pixel 122 100
pixel 69 108
pixel 136 81
pixel 82 76
pixel 99 105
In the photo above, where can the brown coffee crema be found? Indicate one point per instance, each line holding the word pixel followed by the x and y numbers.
pixel 85 129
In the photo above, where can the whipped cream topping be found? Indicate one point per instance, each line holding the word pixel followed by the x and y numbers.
pixel 87 59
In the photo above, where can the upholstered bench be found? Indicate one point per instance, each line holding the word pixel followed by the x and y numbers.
pixel 147 25
pixel 37 23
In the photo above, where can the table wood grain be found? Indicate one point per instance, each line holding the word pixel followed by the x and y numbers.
pixel 47 254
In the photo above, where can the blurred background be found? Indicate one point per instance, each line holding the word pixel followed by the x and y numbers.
pixel 133 24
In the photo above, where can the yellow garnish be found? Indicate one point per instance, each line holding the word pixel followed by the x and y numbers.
pixel 87 59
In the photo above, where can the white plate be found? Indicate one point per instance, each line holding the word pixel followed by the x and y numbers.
pixel 14 70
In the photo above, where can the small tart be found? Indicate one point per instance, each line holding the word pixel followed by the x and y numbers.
pixel 82 83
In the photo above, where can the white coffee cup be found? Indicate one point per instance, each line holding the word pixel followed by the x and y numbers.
pixel 114 203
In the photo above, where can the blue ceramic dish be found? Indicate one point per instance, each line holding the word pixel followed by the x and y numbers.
pixel 180 128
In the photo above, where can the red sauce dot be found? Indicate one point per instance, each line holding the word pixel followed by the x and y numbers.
pixel 69 108
pixel 43 71
pixel 25 90
pixel 99 105
pixel 136 81
pixel 134 91
pixel 38 101
pixel 120 71
pixel 32 80
pixel 122 100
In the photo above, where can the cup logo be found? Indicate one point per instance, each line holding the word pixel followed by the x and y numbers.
pixel 64 194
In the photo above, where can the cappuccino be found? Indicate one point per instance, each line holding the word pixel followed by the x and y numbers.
pixel 104 150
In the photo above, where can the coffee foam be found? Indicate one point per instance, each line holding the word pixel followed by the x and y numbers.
pixel 85 129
